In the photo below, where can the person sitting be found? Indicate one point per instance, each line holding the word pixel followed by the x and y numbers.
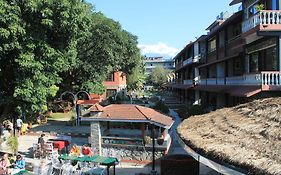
pixel 87 151
pixel 19 165
pixel 74 150
pixel 4 164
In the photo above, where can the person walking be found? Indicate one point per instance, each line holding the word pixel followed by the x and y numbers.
pixel 19 123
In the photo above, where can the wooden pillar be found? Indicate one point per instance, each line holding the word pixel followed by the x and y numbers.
pixel 142 130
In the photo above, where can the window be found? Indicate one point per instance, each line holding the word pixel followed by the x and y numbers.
pixel 212 45
pixel 254 62
pixel 110 77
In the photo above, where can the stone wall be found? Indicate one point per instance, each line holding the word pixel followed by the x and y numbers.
pixel 130 153
pixel 95 138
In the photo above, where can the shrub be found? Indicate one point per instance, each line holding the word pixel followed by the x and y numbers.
pixel 191 111
pixel 160 106
pixel 13 143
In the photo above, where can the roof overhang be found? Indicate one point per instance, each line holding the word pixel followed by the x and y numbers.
pixel 92 119
pixel 235 2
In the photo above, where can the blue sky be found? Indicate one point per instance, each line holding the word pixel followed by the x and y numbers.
pixel 163 26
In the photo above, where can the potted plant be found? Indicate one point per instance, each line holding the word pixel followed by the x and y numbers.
pixel 259 7
pixel 13 144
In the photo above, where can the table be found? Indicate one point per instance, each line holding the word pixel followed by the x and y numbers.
pixel 60 144
pixel 108 161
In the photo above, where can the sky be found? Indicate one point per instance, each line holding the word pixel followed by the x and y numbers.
pixel 163 27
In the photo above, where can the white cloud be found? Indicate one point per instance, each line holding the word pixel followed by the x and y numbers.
pixel 159 49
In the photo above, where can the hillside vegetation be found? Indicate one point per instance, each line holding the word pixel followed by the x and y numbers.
pixel 247 136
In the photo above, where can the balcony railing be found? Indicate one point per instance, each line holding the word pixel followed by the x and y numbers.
pixel 271 78
pixel 264 17
pixel 263 78
pixel 188 82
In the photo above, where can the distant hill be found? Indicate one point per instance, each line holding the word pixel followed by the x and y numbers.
pixel 247 136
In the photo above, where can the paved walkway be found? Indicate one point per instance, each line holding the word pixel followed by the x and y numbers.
pixel 177 149
pixel 60 127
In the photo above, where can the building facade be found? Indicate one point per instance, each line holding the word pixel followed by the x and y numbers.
pixel 153 62
pixel 114 83
pixel 237 60
pixel 128 131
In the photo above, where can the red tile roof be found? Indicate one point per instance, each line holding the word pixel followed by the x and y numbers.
pixel 96 108
pixel 88 102
pixel 134 112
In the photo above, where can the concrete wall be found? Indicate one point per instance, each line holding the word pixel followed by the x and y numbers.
pixel 95 139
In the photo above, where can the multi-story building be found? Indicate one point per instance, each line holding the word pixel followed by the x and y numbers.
pixel 114 83
pixel 237 60
pixel 153 62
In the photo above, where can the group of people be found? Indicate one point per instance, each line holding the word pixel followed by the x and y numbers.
pixel 7 125
pixel 11 168
pixel 86 150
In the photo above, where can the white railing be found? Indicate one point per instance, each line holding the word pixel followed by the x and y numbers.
pixel 188 61
pixel 221 81
pixel 188 82
pixel 271 78
pixel 211 81
pixel 197 58
pixel 264 17
pixel 263 78
pixel 202 81
pixel 247 79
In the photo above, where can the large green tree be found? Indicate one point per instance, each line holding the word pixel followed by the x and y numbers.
pixel 105 48
pixel 136 79
pixel 38 41
pixel 159 76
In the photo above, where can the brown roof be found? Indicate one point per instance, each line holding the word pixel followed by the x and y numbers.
pixel 96 108
pixel 134 112
pixel 88 102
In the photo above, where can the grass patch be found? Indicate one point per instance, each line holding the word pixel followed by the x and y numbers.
pixel 60 116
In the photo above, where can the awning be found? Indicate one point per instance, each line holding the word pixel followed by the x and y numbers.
pixel 235 2
pixel 244 91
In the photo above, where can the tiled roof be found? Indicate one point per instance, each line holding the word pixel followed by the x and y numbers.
pixel 134 112
pixel 96 108
pixel 88 102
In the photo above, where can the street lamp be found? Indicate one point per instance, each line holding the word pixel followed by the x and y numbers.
pixel 75 99
pixel 153 171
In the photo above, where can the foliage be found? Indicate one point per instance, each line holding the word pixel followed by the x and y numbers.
pixel 105 48
pixel 38 41
pixel 136 79
pixel 13 143
pixel 53 46
pixel 259 7
pixel 158 77
pixel 160 106
pixel 191 111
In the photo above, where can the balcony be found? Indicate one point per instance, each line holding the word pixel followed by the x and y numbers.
pixel 267 20
pixel 272 79
pixel 188 82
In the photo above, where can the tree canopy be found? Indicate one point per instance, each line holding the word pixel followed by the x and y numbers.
pixel 47 46
pixel 158 77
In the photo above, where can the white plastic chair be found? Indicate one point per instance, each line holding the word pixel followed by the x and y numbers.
pixel 50 151
pixel 36 151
